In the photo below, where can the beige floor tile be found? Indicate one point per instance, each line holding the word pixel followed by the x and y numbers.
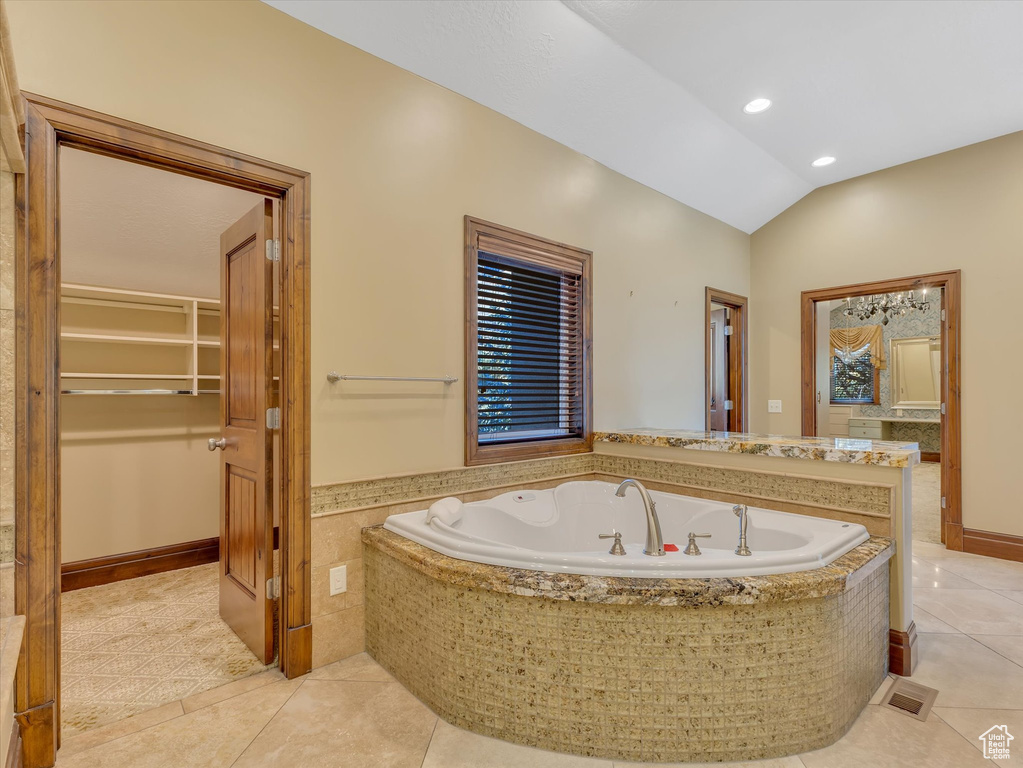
pixel 103 734
pixel 224 692
pixel 927 502
pixel 930 549
pixel 987 572
pixel 138 644
pixel 360 667
pixel 453 747
pixel 344 724
pixel 926 622
pixel 971 723
pixel 1009 646
pixel 778 762
pixel 928 575
pixel 881 738
pixel 967 673
pixel 1012 594
pixel 212 737
pixel 973 611
pixel 882 689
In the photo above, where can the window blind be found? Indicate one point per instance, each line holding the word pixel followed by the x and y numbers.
pixel 853 381
pixel 529 323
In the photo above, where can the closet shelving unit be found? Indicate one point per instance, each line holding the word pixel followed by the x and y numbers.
pixel 122 342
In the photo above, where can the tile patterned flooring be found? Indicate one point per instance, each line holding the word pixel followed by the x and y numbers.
pixel 353 713
pixel 927 502
pixel 135 645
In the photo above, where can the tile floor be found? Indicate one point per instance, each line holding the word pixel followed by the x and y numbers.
pixel 135 645
pixel 927 502
pixel 352 713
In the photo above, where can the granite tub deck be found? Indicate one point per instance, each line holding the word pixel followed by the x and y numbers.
pixel 680 670
pixel 880 453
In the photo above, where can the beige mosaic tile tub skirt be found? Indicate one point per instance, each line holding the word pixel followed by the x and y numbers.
pixel 641 682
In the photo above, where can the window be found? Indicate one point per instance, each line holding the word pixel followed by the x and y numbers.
pixel 528 384
pixel 855 380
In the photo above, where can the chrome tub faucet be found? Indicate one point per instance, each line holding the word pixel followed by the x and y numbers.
pixel 654 542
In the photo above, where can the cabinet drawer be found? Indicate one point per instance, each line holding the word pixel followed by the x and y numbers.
pixel 874 433
pixel 871 423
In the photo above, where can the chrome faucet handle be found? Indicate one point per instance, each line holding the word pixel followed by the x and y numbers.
pixel 739 510
pixel 691 548
pixel 616 548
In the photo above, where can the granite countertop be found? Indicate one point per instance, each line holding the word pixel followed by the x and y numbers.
pixel 880 453
pixel 746 590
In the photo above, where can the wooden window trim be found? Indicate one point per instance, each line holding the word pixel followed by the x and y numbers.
pixel 516 244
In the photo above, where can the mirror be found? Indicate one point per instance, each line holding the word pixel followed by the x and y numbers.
pixel 916 372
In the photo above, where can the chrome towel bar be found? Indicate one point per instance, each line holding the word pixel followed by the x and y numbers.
pixel 334 377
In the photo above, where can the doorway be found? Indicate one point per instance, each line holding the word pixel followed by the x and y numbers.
pixel 143 618
pixel 51 127
pixel 880 361
pixel 725 382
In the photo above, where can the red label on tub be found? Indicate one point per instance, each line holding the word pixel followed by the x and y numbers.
pixel 670 548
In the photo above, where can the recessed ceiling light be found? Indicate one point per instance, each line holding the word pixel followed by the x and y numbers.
pixel 757 106
pixel 820 162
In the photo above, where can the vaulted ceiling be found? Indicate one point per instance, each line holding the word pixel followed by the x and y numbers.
pixel 654 89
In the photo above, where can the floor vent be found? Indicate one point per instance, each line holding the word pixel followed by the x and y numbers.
pixel 910 698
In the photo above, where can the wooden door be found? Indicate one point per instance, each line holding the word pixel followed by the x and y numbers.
pixel 246 370
pixel 718 370
pixel 822 370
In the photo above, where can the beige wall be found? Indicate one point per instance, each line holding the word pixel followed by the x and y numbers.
pixel 136 473
pixel 958 210
pixel 396 163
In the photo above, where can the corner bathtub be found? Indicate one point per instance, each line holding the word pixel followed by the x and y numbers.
pixel 513 621
pixel 557 531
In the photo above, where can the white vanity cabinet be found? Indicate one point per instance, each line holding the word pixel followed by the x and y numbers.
pixel 872 429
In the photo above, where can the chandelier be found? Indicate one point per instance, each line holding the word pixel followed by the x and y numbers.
pixel 887 305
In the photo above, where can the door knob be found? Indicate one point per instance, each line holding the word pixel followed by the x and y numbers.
pixel 213 444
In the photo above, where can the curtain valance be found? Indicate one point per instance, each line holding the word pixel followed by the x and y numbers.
pixel 858 342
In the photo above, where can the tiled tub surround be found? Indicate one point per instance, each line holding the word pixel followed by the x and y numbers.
pixel 342 510
pixel 633 669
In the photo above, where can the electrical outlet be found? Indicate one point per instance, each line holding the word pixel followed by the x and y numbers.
pixel 774 406
pixel 339 580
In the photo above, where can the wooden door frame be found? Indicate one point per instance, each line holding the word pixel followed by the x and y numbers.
pixel 738 354
pixel 951 351
pixel 50 125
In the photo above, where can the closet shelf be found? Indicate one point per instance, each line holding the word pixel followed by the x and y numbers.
pixel 189 392
pixel 140 376
pixel 114 339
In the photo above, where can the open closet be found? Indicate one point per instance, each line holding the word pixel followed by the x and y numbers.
pixel 161 550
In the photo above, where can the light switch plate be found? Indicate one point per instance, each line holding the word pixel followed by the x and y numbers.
pixel 774 406
pixel 339 580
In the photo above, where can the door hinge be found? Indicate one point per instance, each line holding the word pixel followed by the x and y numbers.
pixel 729 405
pixel 728 330
pixel 273 418
pixel 943 502
pixel 942 315
pixel 273 588
pixel 942 409
pixel 273 250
